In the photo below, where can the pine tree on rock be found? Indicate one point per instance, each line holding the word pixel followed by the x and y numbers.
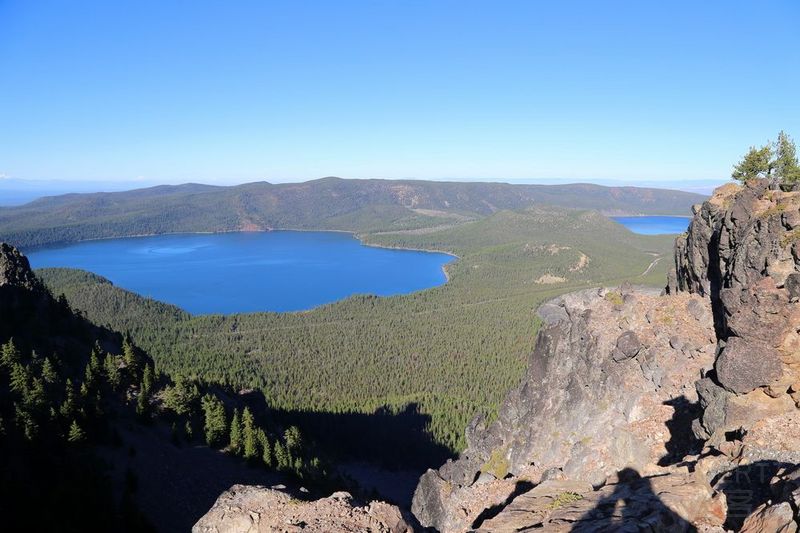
pixel 787 169
pixel 779 164
pixel 755 164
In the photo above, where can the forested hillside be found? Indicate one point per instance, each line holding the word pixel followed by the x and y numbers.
pixel 448 352
pixel 353 205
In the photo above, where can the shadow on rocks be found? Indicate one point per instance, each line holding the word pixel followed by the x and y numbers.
pixel 682 441
pixel 632 506
pixel 746 487
pixel 520 488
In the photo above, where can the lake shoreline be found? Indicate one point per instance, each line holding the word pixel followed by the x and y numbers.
pixel 360 237
pixel 397 274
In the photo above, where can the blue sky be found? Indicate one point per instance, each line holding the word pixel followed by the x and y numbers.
pixel 241 91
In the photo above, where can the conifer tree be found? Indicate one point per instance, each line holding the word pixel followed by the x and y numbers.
pixel 142 405
pixel 49 374
pixel 25 420
pixel 35 398
pixel 111 370
pixel 787 169
pixel 266 449
pixel 755 164
pixel 130 358
pixel 249 438
pixel 180 397
pixel 316 466
pixel 293 440
pixel 75 434
pixel 9 354
pixel 91 375
pixel 282 460
pixel 67 408
pixel 216 425
pixel 19 379
pixel 148 378
pixel 236 433
pixel 777 161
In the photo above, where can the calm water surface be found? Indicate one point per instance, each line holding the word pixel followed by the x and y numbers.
pixel 244 272
pixel 653 225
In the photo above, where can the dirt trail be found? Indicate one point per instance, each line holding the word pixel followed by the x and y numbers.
pixel 651 266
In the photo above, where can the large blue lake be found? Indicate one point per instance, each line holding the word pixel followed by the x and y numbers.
pixel 654 225
pixel 243 272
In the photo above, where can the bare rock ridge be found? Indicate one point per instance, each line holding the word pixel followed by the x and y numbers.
pixel 642 411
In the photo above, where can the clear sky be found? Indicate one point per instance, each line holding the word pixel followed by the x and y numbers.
pixel 236 91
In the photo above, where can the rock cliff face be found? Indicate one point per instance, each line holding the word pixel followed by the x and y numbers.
pixel 675 412
pixel 611 373
pixel 743 250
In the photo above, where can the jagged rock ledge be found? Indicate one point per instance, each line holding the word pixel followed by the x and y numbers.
pixel 247 508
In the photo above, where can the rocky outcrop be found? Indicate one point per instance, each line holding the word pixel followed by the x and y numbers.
pixel 668 413
pixel 611 372
pixel 753 235
pixel 254 509
pixel 751 400
pixel 15 271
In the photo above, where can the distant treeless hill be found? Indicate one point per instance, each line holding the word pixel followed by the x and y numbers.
pixel 364 206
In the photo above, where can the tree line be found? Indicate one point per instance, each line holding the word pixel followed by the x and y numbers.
pixel 776 161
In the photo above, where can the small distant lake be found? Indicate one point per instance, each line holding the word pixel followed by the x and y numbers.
pixel 245 272
pixel 654 225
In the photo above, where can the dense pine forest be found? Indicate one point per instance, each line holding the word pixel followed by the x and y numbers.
pixel 442 355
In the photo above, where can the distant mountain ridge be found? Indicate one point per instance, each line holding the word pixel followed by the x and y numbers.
pixel 329 203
